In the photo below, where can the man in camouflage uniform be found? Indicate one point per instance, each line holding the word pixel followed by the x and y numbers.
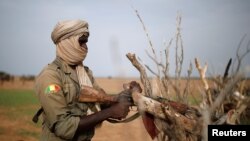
pixel 59 84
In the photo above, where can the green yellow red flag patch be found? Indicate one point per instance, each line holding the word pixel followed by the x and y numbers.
pixel 53 88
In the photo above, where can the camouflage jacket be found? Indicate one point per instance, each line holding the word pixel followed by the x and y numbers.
pixel 57 88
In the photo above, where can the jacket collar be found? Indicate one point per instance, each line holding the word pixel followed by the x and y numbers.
pixel 67 69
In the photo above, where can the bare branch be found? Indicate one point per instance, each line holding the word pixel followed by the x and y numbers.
pixel 179 57
pixel 149 39
pixel 224 92
pixel 154 73
pixel 166 69
pixel 155 61
pixel 202 72
pixel 143 74
pixel 186 89
pixel 227 69
pixel 240 57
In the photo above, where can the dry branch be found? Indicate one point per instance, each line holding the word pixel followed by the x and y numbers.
pixel 164 111
pixel 143 75
pixel 225 92
pixel 180 121
pixel 240 57
pixel 202 72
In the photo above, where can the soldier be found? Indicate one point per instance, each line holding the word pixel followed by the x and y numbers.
pixel 60 82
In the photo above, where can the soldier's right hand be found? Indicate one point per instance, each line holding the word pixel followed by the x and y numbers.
pixel 119 110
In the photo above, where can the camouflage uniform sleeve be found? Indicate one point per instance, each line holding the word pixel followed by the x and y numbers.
pixel 58 117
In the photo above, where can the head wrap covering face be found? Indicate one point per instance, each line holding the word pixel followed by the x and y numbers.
pixel 68 28
pixel 71 51
pixel 65 35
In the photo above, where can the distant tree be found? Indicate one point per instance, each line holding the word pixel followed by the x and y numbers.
pixel 5 77
pixel 25 78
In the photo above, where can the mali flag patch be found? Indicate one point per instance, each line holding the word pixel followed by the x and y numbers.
pixel 53 88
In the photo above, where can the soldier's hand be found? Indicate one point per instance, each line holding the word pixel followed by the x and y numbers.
pixel 120 110
pixel 125 95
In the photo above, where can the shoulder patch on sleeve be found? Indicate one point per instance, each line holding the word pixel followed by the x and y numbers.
pixel 53 88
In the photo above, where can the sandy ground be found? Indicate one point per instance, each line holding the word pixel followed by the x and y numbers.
pixel 133 131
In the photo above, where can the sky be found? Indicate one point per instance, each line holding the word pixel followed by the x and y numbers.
pixel 211 31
